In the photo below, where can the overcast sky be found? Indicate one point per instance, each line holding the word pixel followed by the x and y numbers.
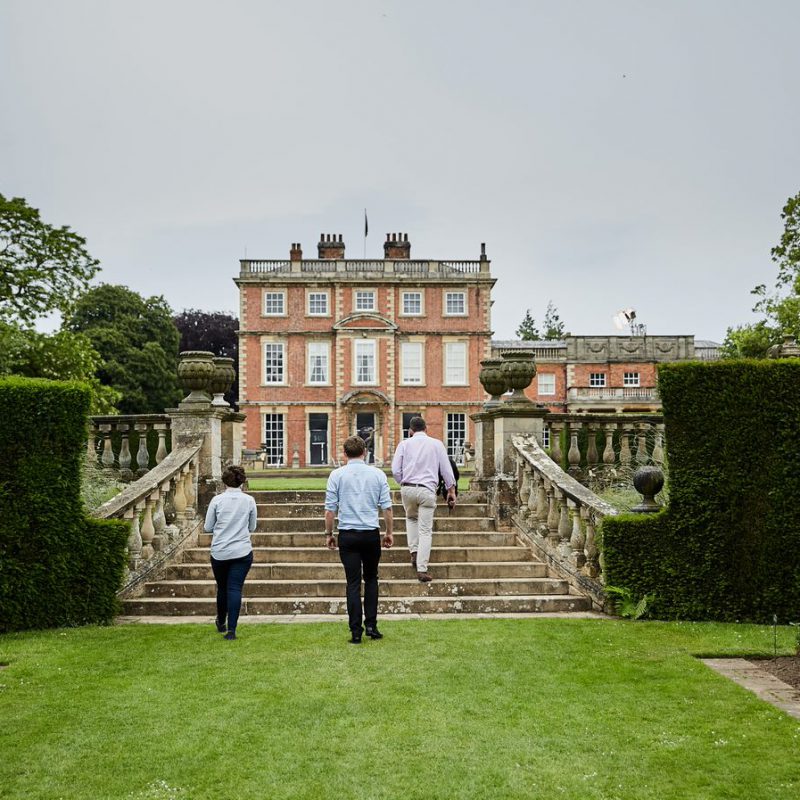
pixel 610 154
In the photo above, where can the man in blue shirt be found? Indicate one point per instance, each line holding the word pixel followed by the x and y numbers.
pixel 357 491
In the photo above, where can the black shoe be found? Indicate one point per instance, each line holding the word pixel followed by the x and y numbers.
pixel 221 626
pixel 374 633
pixel 355 639
pixel 230 635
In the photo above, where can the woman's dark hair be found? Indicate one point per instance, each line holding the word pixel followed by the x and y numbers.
pixel 234 476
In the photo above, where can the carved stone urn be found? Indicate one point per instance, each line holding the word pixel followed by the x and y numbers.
pixel 195 371
pixel 493 379
pixel 222 380
pixel 648 481
pixel 518 369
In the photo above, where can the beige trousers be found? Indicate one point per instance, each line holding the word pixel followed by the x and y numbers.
pixel 419 503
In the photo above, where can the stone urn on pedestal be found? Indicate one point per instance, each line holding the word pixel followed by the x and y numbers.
pixel 493 380
pixel 518 369
pixel 648 481
pixel 195 371
pixel 222 380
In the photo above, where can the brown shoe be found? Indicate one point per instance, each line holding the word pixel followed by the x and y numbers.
pixel 423 577
pixel 414 560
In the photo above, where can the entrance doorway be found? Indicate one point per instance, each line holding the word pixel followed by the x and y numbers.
pixel 365 428
pixel 318 438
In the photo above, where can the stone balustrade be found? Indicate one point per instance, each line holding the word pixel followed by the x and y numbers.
pixel 559 517
pixel 128 442
pixel 599 445
pixel 253 268
pixel 161 507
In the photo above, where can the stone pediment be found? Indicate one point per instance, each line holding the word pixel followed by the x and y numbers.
pixel 365 322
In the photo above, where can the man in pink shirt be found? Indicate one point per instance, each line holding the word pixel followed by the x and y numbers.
pixel 416 466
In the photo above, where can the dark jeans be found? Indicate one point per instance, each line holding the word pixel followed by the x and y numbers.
pixel 229 575
pixel 361 549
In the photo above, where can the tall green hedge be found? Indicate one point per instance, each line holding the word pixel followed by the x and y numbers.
pixel 728 546
pixel 57 566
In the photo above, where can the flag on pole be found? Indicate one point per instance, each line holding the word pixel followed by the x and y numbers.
pixel 366 224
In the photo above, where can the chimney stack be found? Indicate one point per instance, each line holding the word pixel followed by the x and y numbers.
pixel 330 247
pixel 397 247
pixel 296 253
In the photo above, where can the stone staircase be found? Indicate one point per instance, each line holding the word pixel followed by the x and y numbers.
pixel 476 568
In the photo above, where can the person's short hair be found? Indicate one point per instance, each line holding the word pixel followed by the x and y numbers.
pixel 417 424
pixel 354 447
pixel 234 476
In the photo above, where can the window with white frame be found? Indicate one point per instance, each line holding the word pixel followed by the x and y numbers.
pixel 597 379
pixel 411 363
pixel 273 439
pixel 412 304
pixel 455 363
pixel 318 357
pixel 365 300
pixel 364 354
pixel 274 362
pixel 274 304
pixel 547 383
pixel 630 379
pixel 455 303
pixel 317 304
pixel 456 434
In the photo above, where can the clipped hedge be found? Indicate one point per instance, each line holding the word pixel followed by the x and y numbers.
pixel 728 545
pixel 57 567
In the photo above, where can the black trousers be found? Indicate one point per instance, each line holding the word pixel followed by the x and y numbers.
pixel 361 551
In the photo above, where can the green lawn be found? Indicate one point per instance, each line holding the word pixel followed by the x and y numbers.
pixel 540 708
pixel 305 484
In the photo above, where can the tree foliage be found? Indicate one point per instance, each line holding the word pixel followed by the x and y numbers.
pixel 137 342
pixel 780 306
pixel 42 268
pixel 61 356
pixel 553 327
pixel 215 331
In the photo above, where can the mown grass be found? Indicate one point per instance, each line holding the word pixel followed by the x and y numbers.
pixel 540 708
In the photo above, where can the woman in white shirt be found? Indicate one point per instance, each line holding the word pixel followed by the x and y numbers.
pixel 231 518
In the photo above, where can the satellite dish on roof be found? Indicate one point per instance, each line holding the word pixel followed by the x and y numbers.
pixel 625 319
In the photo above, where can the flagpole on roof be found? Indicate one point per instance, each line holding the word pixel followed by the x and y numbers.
pixel 366 231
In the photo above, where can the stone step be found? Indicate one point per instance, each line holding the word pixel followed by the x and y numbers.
pixel 190 606
pixel 408 587
pixel 300 524
pixel 282 555
pixel 317 510
pixel 318 496
pixel 399 569
pixel 317 538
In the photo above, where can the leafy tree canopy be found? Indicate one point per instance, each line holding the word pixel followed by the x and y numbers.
pixel 42 268
pixel 553 327
pixel 59 356
pixel 780 306
pixel 137 342
pixel 211 330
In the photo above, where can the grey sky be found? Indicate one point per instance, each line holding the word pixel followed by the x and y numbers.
pixel 610 154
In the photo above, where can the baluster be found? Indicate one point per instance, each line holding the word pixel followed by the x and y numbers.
pixel 134 538
pixel 609 457
pixel 658 449
pixel 524 490
pixel 624 445
pixel 574 454
pixel 142 456
pixel 178 497
pixel 542 505
pixel 107 459
pixel 555 442
pixel 576 539
pixel 552 515
pixel 147 529
pixel 591 449
pixel 124 453
pixel 591 567
pixel 189 488
pixel 533 498
pixel 159 522
pixel 161 452
pixel 564 525
pixel 641 448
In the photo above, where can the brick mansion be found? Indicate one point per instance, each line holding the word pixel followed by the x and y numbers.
pixel 331 346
